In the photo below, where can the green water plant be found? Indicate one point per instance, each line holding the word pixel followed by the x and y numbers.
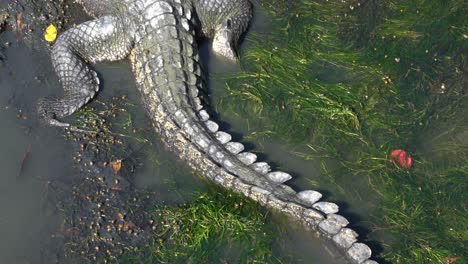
pixel 216 227
pixel 354 80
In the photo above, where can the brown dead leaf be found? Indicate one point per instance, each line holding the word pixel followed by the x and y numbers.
pixel 24 161
pixel 18 19
pixel 128 225
pixel 116 188
pixel 116 165
pixel 450 260
pixel 19 23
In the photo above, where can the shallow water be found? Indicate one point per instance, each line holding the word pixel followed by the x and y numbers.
pixel 32 156
pixel 27 219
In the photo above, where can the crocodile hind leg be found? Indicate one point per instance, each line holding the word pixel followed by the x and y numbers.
pixel 105 39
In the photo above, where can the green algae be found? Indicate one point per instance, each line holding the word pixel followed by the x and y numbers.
pixel 338 76
pixel 371 78
pixel 216 227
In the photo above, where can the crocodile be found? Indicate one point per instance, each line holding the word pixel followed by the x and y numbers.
pixel 160 39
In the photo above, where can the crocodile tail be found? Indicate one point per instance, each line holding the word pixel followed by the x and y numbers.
pixel 166 65
pixel 305 206
pixel 210 152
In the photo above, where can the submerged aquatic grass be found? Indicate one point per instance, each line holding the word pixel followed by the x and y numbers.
pixel 341 77
pixel 369 78
pixel 216 227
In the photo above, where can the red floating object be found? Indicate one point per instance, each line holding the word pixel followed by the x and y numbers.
pixel 401 158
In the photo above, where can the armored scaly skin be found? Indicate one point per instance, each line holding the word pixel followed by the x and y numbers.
pixel 159 36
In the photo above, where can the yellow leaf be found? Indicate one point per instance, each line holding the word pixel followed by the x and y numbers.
pixel 50 33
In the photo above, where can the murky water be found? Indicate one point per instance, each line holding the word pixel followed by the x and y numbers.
pixel 32 156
